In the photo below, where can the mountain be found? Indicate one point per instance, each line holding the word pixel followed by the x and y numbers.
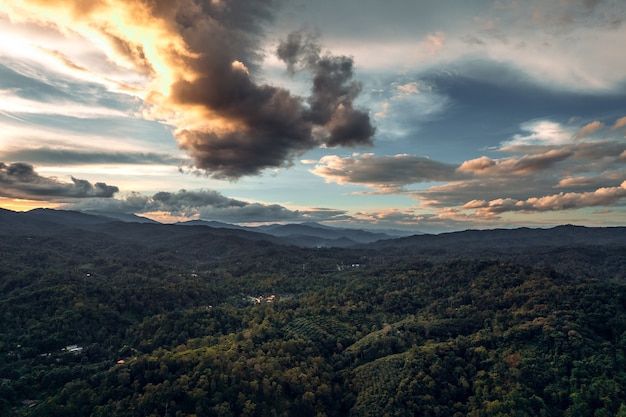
pixel 212 223
pixel 45 220
pixel 125 217
pixel 561 248
pixel 388 232
pixel 486 243
pixel 308 234
pixel 505 239
pixel 322 235
pixel 127 239
pixel 100 317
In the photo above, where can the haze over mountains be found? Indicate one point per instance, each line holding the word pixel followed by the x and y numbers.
pixel 306 235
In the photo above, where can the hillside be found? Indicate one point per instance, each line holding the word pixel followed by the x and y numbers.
pixel 107 318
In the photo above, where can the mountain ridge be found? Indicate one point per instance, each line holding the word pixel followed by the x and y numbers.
pixel 309 235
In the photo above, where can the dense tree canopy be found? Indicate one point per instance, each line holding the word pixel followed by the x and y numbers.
pixel 92 325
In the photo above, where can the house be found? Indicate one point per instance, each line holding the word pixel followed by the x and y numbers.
pixel 73 349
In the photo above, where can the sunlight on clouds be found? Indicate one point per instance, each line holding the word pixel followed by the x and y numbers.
pixel 542 132
pixel 528 164
pixel 65 52
pixel 125 31
pixel 406 90
pixel 20 45
pixel 201 70
pixel 168 217
pixel 483 189
pixel 17 204
pixel 384 108
pixel 589 129
pixel 563 201
pixel 429 47
pixel 199 59
pixel 392 216
pixel 619 123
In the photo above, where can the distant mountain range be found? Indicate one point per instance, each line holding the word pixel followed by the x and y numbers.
pixel 302 235
pixel 310 234
pixel 129 227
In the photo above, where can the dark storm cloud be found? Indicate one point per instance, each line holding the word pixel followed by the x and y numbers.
pixel 270 132
pixel 202 59
pixel 299 50
pixel 331 103
pixel 19 180
pixel 249 126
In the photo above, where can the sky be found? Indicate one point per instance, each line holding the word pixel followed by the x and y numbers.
pixel 419 115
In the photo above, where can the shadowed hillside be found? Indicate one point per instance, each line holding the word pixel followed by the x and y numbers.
pixel 108 318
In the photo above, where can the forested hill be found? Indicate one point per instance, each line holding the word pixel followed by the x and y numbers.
pixel 567 235
pixel 106 318
pixel 471 242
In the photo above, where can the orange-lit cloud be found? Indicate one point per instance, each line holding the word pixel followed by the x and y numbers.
pixel 514 166
pixel 17 204
pixel 200 60
pixel 619 123
pixel 605 196
pixel 131 33
pixel 589 129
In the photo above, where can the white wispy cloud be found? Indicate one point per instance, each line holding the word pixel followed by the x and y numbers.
pixel 541 132
pixel 14 105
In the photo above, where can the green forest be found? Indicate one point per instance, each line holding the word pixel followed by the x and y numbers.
pixel 92 325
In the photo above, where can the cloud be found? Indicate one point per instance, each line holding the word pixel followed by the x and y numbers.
pixel 589 129
pixel 50 155
pixel 207 205
pixel 19 180
pixel 406 90
pixel 385 173
pixel 583 173
pixel 619 123
pixel 12 104
pixel 201 60
pixel 384 108
pixel 407 105
pixel 331 103
pixel 563 201
pixel 541 132
pixel 527 164
pixel 591 182
pixel 392 218
pixel 430 46
pixel 575 167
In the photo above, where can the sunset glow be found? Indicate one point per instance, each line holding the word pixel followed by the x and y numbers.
pixel 419 116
